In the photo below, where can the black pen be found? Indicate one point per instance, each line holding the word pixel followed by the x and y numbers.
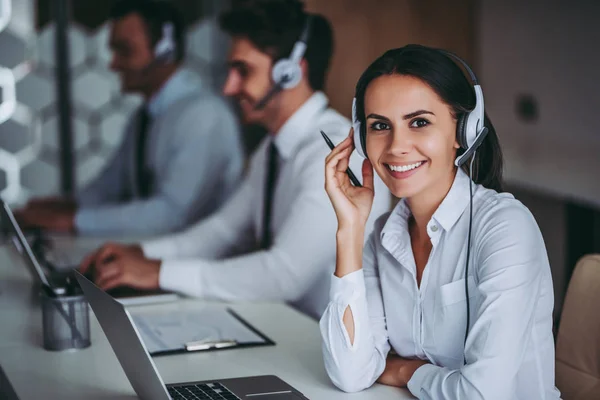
pixel 351 175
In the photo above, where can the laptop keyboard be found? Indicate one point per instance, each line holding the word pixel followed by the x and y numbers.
pixel 203 391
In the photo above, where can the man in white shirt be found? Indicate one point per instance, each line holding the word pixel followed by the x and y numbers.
pixel 181 156
pixel 275 238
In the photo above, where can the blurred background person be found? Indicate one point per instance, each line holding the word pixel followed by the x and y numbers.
pixel 275 239
pixel 181 156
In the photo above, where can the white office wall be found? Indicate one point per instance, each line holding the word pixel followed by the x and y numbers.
pixel 549 49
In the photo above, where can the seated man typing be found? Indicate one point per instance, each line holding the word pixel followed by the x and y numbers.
pixel 275 238
pixel 181 156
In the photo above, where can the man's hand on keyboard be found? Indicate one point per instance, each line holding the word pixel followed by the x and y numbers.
pixel 115 265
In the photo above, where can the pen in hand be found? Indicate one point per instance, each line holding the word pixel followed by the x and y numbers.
pixel 351 175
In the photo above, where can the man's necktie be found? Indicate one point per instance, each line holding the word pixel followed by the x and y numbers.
pixel 143 174
pixel 271 175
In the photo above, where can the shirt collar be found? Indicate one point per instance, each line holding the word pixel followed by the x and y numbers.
pixel 455 202
pixel 181 84
pixel 446 215
pixel 293 130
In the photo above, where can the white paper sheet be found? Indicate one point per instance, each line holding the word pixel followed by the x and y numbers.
pixel 162 331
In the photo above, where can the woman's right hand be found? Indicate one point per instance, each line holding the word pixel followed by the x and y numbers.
pixel 352 204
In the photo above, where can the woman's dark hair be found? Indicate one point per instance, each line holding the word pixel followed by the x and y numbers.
pixel 444 76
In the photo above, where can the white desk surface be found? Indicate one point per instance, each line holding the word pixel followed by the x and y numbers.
pixel 95 373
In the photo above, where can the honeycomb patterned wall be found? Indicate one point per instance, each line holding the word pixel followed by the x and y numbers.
pixel 29 140
pixel 13 117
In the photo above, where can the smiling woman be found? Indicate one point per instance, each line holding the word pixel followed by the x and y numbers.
pixel 421 76
pixel 410 288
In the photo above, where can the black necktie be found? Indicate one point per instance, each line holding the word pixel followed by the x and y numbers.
pixel 271 175
pixel 143 178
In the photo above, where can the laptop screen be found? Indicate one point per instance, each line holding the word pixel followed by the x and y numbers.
pixel 125 342
pixel 10 224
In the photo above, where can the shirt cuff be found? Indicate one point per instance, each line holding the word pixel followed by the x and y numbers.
pixel 159 249
pixel 84 220
pixel 181 276
pixel 347 288
pixel 415 384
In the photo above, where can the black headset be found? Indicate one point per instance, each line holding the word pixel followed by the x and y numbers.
pixel 287 72
pixel 470 133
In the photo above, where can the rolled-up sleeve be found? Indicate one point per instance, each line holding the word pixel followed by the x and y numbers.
pixel 354 366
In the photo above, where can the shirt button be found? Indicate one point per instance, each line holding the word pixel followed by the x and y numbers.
pixel 434 228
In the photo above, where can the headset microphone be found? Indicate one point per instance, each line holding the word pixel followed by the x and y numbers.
pixel 272 92
pixel 287 72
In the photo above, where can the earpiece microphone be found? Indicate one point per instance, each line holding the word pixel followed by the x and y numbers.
pixel 287 72
pixel 470 129
pixel 272 92
pixel 164 50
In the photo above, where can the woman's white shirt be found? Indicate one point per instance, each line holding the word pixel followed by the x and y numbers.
pixel 510 346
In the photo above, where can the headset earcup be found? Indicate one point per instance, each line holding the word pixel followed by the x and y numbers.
pixel 461 131
pixel 165 48
pixel 286 73
pixel 359 139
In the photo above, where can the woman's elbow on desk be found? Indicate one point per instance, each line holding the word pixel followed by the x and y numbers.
pixel 345 377
pixel 349 385
pixel 351 369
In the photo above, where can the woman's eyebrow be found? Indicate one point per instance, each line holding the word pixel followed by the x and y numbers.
pixel 377 116
pixel 415 113
pixel 405 117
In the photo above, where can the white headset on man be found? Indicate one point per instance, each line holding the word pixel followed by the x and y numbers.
pixel 287 72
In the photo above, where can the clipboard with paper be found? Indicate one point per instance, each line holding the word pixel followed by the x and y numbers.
pixel 210 328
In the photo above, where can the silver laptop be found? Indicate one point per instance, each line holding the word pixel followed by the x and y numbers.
pixel 126 342
pixel 57 286
pixel 59 282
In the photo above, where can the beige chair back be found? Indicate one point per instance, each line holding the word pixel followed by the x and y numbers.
pixel 578 341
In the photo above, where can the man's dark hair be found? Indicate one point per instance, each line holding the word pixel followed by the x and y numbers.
pixel 155 14
pixel 273 26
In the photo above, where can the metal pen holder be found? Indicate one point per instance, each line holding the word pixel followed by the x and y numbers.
pixel 66 322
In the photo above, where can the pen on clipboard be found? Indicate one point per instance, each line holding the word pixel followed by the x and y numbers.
pixel 351 175
pixel 209 344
